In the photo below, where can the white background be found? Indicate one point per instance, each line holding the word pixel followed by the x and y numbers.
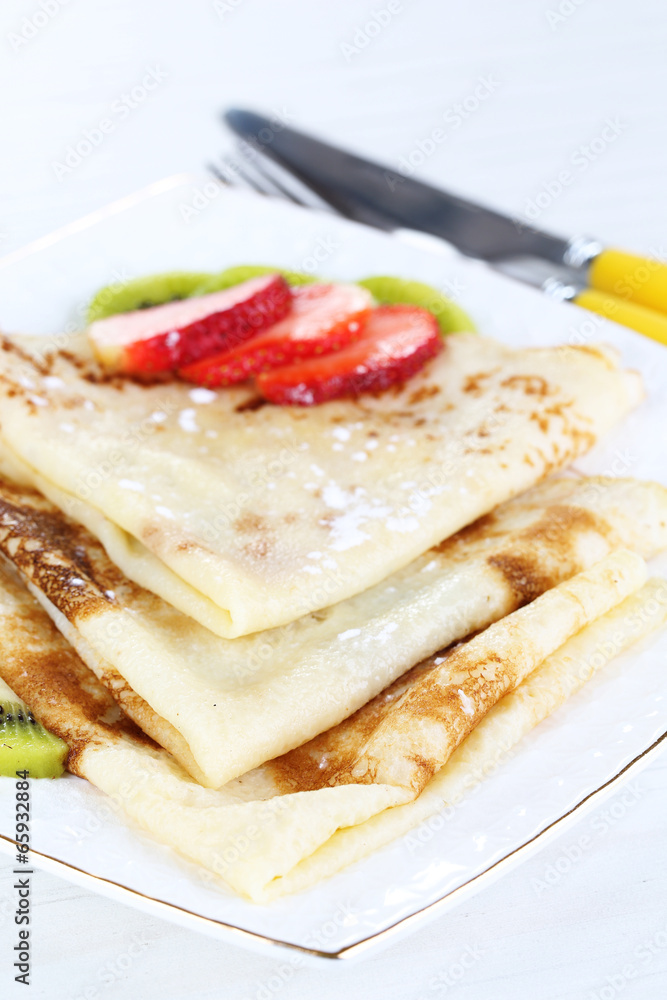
pixel 570 922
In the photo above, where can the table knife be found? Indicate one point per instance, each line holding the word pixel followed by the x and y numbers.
pixel 625 287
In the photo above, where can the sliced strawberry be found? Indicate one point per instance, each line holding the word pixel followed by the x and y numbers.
pixel 166 337
pixel 395 343
pixel 323 318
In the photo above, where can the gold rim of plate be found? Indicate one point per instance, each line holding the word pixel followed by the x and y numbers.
pixel 200 922
pixel 211 925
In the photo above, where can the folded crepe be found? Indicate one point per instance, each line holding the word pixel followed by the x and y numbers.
pixel 246 517
pixel 224 706
pixel 294 820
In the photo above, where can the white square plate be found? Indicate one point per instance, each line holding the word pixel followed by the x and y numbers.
pixel 580 754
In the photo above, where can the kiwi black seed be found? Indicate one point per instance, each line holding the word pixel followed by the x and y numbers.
pixel 25 745
pixel 142 293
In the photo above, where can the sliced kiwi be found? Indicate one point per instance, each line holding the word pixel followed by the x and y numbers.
pixel 25 745
pixel 140 293
pixel 157 289
pixel 243 272
pixel 398 291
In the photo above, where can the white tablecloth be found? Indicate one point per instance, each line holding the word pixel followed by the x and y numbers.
pixel 549 107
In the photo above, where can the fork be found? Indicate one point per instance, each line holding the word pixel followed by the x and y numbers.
pixel 251 170
pixel 255 171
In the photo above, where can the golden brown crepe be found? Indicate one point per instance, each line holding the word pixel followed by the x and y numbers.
pixel 246 517
pixel 276 829
pixel 225 706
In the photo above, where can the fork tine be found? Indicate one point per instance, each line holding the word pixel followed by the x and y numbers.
pixel 287 185
pixel 253 169
pixel 233 174
pixel 218 174
pixel 280 188
pixel 251 179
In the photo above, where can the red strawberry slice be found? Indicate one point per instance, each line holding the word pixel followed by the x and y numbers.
pixel 323 318
pixel 166 337
pixel 396 342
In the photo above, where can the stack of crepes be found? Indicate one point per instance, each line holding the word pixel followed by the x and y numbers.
pixel 282 637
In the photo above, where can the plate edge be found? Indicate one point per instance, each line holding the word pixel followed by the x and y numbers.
pixel 371 941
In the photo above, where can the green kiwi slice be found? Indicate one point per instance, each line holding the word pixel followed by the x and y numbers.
pixel 398 291
pixel 25 745
pixel 157 289
pixel 243 272
pixel 140 293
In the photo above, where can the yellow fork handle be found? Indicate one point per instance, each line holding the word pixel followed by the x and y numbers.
pixel 636 279
pixel 647 321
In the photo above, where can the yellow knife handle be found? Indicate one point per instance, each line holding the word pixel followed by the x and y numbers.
pixel 636 279
pixel 647 321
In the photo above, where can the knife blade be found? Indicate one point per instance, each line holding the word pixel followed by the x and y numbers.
pixel 380 196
